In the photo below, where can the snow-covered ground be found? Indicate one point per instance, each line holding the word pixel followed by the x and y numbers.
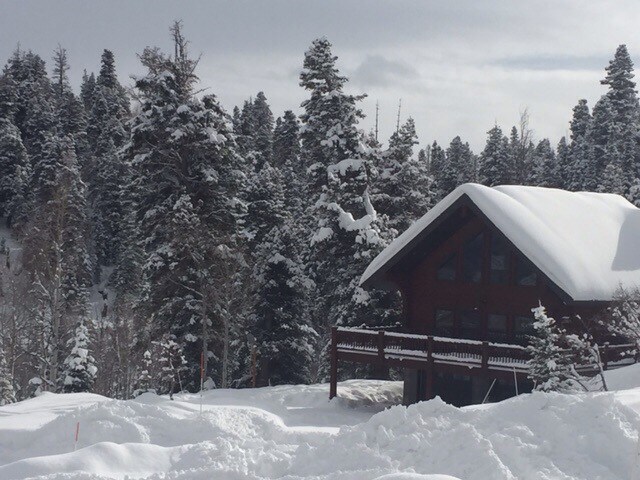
pixel 294 432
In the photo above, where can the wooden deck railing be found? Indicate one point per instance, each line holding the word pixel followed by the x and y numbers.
pixel 381 347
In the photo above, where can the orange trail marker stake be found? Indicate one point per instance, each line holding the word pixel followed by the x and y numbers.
pixel 201 378
pixel 75 445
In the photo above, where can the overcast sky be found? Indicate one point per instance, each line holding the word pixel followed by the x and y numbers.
pixel 459 67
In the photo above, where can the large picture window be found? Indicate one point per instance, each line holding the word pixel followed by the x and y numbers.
pixel 470 324
pixel 447 269
pixel 444 323
pixel 525 273
pixel 472 259
pixel 497 327
pixel 499 265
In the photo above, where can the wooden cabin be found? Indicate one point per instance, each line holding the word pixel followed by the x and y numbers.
pixel 469 273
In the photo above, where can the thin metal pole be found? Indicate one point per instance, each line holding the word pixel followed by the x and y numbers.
pixel 489 391
pixel 515 380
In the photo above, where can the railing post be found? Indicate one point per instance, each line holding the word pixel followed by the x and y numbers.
pixel 485 355
pixel 381 345
pixel 429 393
pixel 604 356
pixel 333 374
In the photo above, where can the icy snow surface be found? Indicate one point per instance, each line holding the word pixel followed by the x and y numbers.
pixel 294 432
pixel 587 243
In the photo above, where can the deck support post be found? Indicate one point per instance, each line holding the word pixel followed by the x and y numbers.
pixel 381 346
pixel 428 390
pixel 333 380
pixel 485 355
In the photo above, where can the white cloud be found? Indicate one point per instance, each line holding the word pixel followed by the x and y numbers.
pixel 458 66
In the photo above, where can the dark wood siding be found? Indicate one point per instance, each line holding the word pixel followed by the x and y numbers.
pixel 423 293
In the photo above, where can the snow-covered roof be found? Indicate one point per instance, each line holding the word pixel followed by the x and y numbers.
pixel 587 243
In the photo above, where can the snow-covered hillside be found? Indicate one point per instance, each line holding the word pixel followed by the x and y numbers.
pixel 293 432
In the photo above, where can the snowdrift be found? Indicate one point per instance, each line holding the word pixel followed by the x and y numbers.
pixel 293 432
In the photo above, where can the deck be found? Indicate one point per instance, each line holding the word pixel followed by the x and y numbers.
pixel 426 352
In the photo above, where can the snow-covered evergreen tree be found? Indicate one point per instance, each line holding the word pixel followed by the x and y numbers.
pixel 14 174
pixel 186 176
pixel 495 163
pixel 437 166
pixel 281 317
pixel 550 367
pixel 144 382
pixel 79 371
pixel 172 365
pixel 7 392
pixel 348 232
pixel 546 165
pixel 563 156
pixel 458 168
pixel 402 189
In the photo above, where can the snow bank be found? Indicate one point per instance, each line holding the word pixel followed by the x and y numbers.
pixel 294 433
pixel 584 242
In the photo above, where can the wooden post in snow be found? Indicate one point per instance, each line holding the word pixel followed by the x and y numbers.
pixel 201 378
pixel 75 444
pixel 333 375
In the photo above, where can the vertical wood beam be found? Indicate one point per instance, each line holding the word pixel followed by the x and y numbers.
pixel 333 380
pixel 429 393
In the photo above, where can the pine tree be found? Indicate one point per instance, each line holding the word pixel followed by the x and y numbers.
pixel 172 364
pixel 263 133
pixel 284 335
pixel 265 204
pixel 583 159
pixel 55 249
pixel 14 174
pixel 186 175
pixel 80 370
pixel 144 383
pixel 564 163
pixel 286 140
pixel 623 100
pixel 33 105
pixel 286 157
pixel 107 174
pixel 7 392
pixel 402 189
pixel 458 167
pixel 549 367
pixel 547 168
pixel 348 232
pixel 495 164
pixel 613 179
pixel 87 88
pixel 599 142
pixel 437 167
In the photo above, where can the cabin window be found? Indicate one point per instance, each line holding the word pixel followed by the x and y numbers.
pixel 525 273
pixel 497 326
pixel 447 270
pixel 523 328
pixel 499 260
pixel 470 324
pixel 444 323
pixel 472 259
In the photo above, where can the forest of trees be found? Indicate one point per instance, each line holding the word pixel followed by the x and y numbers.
pixel 148 225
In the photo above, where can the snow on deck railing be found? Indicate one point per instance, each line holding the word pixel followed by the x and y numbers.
pixel 472 353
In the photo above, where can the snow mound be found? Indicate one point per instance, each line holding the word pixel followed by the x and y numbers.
pixel 586 243
pixel 295 433
pixel 414 476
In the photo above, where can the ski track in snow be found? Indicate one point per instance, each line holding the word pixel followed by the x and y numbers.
pixel 294 432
